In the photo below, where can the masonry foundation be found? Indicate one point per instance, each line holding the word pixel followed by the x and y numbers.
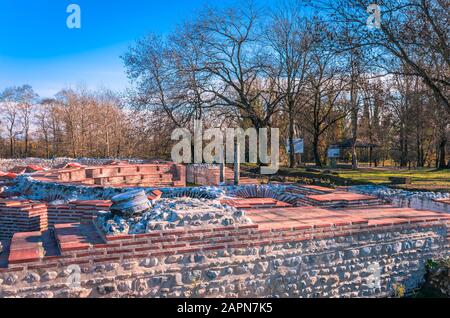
pixel 341 257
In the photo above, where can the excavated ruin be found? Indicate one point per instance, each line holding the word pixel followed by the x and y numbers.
pixel 136 239
pixel 167 214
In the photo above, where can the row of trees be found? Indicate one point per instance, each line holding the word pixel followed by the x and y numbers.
pixel 76 123
pixel 323 77
pixel 314 69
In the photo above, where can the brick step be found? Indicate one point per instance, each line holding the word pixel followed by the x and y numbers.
pixel 130 174
pixel 149 185
pixel 308 190
pixel 132 179
pixel 154 175
pixel 341 199
pixel 112 171
pixel 76 236
pixel 32 247
pixel 255 203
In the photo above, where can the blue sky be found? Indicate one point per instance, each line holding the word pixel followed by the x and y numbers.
pixel 37 48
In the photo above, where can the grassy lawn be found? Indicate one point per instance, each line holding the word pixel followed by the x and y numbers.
pixel 422 179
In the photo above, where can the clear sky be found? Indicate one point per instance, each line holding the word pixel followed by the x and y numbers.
pixel 37 48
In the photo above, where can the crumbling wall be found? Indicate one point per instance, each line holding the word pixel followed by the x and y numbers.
pixel 76 211
pixel 325 265
pixel 21 216
pixel 149 175
pixel 28 216
pixel 207 175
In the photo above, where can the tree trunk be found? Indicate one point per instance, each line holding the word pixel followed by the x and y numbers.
pixel 419 153
pixel 316 151
pixel 442 146
pixel 354 132
pixel 292 163
pixel 26 144
pixel 403 148
pixel 11 147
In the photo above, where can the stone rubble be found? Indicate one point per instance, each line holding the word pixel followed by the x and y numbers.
pixel 130 204
pixel 31 189
pixel 274 191
pixel 386 192
pixel 404 198
pixel 172 213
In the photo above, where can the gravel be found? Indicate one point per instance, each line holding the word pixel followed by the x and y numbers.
pixel 174 213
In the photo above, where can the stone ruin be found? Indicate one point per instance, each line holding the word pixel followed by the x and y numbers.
pixel 276 240
pixel 133 213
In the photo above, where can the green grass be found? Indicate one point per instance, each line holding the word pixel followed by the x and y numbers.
pixel 422 179
pixel 419 177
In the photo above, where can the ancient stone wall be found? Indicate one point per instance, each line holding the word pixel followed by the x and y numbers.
pixel 341 261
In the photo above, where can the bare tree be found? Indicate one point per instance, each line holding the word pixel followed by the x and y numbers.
pixel 241 77
pixel 413 32
pixel 326 106
pixel 289 35
pixel 17 107
pixel 26 107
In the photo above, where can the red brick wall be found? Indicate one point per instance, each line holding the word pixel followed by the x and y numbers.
pixel 149 175
pixel 185 241
pixel 21 216
pixel 206 175
pixel 76 212
pixel 28 216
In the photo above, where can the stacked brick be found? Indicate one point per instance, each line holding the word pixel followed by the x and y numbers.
pixel 341 200
pixel 77 211
pixel 26 216
pixel 308 189
pixel 255 203
pixel 147 175
pixel 21 216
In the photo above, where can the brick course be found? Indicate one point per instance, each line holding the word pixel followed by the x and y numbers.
pixel 81 242
pixel 21 216
pixel 122 175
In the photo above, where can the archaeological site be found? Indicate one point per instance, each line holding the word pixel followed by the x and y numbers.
pixel 216 157
pixel 136 230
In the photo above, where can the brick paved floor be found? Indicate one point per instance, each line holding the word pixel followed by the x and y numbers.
pixel 311 216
